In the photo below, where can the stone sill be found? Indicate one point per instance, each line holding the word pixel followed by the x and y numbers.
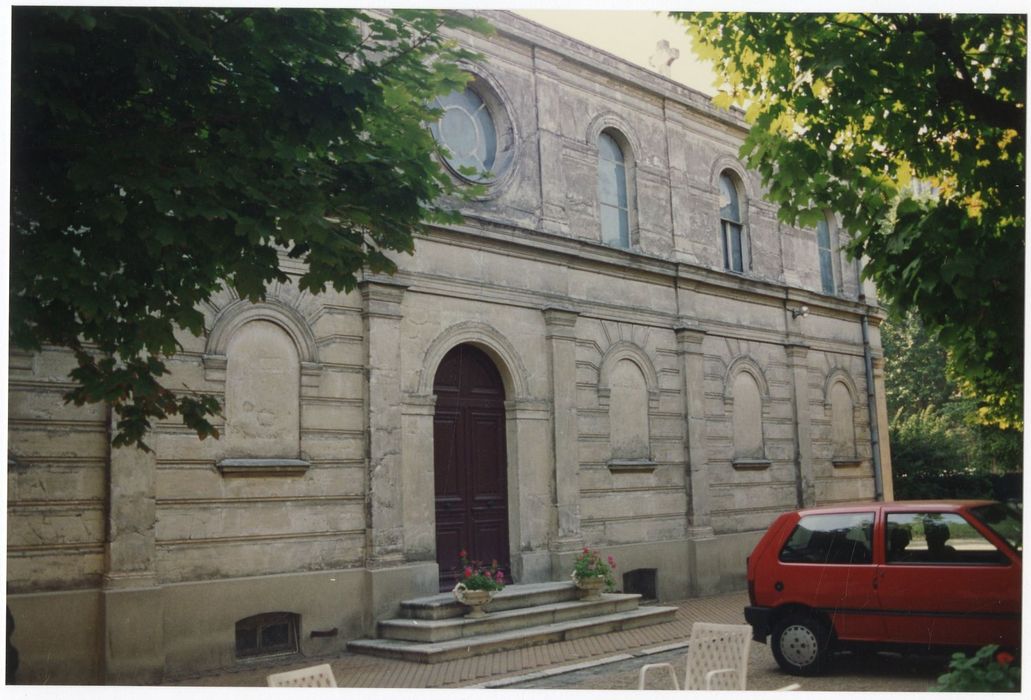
pixel 631 466
pixel 263 467
pixel 846 463
pixel 751 464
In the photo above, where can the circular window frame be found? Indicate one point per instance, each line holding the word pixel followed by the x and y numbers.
pixel 506 157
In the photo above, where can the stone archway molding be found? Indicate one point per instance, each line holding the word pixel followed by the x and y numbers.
pixel 487 338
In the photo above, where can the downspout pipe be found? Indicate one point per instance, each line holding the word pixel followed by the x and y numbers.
pixel 871 405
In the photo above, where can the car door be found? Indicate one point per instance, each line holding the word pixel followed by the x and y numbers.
pixel 827 564
pixel 943 581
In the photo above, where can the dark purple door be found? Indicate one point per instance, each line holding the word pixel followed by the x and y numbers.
pixel 469 462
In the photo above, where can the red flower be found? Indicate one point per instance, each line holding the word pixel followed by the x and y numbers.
pixel 586 550
pixel 468 572
pixel 463 554
pixel 1004 658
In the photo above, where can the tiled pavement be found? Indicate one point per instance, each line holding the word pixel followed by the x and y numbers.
pixel 357 671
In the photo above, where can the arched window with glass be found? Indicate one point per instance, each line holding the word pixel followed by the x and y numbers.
pixel 731 225
pixel 823 242
pixel 613 197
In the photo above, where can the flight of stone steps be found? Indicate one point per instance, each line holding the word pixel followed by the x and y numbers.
pixel 434 629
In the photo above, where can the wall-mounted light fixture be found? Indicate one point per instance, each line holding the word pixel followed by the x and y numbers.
pixel 802 311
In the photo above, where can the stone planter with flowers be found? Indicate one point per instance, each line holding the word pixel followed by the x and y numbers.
pixel 478 585
pixel 591 574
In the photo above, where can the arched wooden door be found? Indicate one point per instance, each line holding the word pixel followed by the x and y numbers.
pixel 469 462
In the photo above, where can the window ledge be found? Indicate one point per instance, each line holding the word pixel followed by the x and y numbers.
pixel 263 467
pixel 631 466
pixel 751 464
pixel 846 463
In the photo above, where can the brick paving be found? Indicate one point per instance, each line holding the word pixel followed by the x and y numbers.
pixel 608 661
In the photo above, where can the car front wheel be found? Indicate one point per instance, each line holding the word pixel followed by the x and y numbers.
pixel 800 644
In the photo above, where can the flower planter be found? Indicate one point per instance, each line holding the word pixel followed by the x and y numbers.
pixel 590 586
pixel 473 599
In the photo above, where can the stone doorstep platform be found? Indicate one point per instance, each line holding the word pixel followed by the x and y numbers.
pixel 434 628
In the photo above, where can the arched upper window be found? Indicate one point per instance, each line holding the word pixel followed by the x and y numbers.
pixel 731 225
pixel 613 197
pixel 823 241
pixel 466 129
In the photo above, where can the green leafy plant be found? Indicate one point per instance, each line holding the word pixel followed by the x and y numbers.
pixel 589 564
pixel 476 577
pixel 160 155
pixel 921 152
pixel 989 670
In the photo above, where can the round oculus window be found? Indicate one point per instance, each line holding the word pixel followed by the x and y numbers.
pixel 466 130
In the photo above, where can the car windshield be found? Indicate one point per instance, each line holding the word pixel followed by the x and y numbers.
pixel 1003 520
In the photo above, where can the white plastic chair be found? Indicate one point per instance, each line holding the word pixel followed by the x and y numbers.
pixel 717 658
pixel 311 677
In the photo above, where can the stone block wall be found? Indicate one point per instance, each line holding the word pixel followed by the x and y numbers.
pixel 656 406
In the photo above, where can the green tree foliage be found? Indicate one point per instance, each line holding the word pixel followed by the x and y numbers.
pixel 161 153
pixel 912 128
pixel 939 447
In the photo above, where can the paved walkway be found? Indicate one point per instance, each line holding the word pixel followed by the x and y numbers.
pixel 358 671
pixel 609 661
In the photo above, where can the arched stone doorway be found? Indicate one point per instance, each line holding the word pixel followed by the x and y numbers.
pixel 469 462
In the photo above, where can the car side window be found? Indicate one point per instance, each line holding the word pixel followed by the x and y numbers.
pixel 937 538
pixel 838 538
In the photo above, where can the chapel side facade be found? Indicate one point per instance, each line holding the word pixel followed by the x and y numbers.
pixel 614 330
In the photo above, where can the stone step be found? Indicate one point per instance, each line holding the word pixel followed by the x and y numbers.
pixel 420 630
pixel 436 652
pixel 444 605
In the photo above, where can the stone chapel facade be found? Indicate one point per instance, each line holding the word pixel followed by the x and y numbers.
pixel 610 352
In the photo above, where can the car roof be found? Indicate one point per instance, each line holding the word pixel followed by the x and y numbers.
pixel 941 504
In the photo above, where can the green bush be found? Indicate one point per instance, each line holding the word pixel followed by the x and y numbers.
pixel 989 670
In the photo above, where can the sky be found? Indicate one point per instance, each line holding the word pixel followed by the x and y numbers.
pixel 631 35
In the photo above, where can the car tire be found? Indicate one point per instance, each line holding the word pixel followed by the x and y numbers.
pixel 801 644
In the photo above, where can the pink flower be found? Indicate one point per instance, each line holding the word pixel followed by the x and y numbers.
pixel 612 562
pixel 468 572
pixel 586 550
pixel 499 577
pixel 463 554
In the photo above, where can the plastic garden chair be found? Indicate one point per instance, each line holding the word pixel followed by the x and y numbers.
pixel 311 677
pixel 717 659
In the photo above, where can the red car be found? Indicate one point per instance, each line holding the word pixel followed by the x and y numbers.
pixel 917 573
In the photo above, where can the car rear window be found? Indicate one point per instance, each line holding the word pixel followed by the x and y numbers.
pixel 937 538
pixel 836 538
pixel 1004 520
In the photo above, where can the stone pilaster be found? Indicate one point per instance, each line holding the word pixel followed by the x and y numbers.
pixel 561 337
pixel 420 537
pixel 553 216
pixel 880 399
pixel 132 607
pixel 692 373
pixel 805 477
pixel 381 316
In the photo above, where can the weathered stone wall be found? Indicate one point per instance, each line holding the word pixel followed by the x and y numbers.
pixel 657 407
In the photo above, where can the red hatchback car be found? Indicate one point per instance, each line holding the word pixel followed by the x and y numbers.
pixel 917 573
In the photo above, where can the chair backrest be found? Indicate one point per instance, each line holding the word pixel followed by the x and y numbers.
pixel 312 677
pixel 719 648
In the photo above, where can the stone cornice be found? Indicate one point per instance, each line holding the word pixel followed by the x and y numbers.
pixel 521 29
